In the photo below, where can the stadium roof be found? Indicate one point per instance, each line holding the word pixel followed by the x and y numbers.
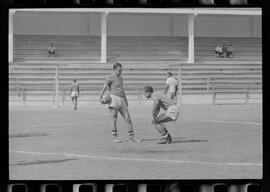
pixel 207 11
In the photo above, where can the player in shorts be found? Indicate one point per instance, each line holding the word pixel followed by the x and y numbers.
pixel 171 88
pixel 118 102
pixel 172 112
pixel 74 93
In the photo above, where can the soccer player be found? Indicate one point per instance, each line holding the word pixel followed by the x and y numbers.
pixel 119 102
pixel 171 114
pixel 171 88
pixel 74 93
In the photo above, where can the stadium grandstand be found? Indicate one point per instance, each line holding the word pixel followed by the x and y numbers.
pixel 148 43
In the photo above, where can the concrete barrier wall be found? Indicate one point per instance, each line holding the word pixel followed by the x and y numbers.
pixel 135 25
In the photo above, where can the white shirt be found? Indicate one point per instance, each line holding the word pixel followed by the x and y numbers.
pixel 172 82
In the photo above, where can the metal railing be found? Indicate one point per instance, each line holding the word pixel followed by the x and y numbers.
pixel 59 92
pixel 21 90
pixel 212 86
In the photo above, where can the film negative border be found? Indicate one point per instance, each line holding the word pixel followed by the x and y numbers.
pixel 55 186
pixel 134 3
pixel 73 186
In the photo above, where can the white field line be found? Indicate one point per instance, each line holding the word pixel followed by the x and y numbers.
pixel 50 125
pixel 232 122
pixel 84 122
pixel 137 159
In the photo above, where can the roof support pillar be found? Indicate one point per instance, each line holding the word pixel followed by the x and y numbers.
pixel 10 35
pixel 104 37
pixel 191 18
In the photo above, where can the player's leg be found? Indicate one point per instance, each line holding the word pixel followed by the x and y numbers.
pixel 72 100
pixel 75 103
pixel 171 114
pixel 159 123
pixel 162 118
pixel 114 112
pixel 126 116
pixel 161 128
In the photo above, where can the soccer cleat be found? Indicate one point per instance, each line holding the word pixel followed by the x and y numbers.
pixel 165 140
pixel 132 139
pixel 116 140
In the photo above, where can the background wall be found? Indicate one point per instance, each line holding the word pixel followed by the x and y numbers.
pixel 223 26
pixel 50 23
pixel 135 24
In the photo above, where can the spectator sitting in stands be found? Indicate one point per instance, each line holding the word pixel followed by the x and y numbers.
pixel 219 51
pixel 228 50
pixel 51 50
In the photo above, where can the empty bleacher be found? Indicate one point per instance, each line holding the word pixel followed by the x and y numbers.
pixel 145 60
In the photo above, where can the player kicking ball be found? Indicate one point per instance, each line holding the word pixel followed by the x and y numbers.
pixel 117 102
pixel 171 114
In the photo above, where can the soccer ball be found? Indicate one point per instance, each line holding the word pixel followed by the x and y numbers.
pixel 107 99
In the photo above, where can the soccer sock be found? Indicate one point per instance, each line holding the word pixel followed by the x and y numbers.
pixel 131 133
pixel 164 133
pixel 164 136
pixel 163 130
pixel 114 134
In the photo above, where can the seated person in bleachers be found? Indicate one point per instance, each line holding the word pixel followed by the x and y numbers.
pixel 228 50
pixel 51 50
pixel 219 51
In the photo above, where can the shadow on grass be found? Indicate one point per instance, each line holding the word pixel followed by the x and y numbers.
pixel 28 135
pixel 179 140
pixel 175 140
pixel 42 162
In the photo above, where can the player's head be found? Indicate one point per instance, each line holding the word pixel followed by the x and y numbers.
pixel 117 67
pixel 74 80
pixel 169 74
pixel 147 91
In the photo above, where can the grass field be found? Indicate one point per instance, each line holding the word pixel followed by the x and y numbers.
pixel 209 142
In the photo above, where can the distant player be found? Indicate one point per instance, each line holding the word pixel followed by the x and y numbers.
pixel 74 93
pixel 118 102
pixel 171 114
pixel 171 88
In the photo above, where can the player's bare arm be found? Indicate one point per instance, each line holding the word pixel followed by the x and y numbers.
pixel 176 89
pixel 126 101
pixel 156 109
pixel 166 89
pixel 102 92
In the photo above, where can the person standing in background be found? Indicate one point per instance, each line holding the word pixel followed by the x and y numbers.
pixel 171 88
pixel 74 93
